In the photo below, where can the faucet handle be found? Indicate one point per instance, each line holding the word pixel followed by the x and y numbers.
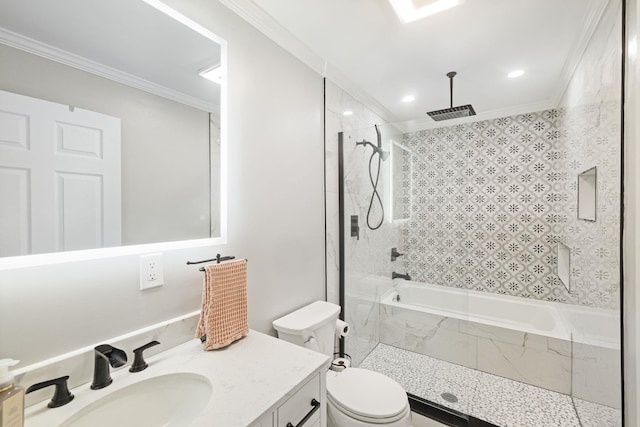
pixel 61 395
pixel 138 361
pixel 395 254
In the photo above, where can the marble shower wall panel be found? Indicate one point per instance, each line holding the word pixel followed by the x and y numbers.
pixel 591 133
pixel 368 263
pixel 596 375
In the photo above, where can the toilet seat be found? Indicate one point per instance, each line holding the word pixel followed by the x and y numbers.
pixel 367 396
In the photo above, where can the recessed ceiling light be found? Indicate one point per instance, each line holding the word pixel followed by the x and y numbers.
pixel 515 73
pixel 213 73
pixel 347 113
pixel 408 12
pixel 409 98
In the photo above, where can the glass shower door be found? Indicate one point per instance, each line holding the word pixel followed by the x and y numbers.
pixel 383 291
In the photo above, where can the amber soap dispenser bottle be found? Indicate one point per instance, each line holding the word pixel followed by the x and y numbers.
pixel 11 397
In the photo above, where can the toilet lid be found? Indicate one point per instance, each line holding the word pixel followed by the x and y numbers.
pixel 367 393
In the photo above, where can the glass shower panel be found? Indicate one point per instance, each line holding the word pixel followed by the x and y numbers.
pixel 395 327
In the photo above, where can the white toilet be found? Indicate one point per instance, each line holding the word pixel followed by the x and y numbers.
pixel 355 397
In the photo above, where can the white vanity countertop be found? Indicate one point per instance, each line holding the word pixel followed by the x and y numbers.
pixel 248 379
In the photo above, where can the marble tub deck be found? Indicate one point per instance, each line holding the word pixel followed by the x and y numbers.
pixel 503 402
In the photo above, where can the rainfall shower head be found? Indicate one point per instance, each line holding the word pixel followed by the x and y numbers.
pixel 452 112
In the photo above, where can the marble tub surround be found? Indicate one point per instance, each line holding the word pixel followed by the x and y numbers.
pixel 596 375
pixel 521 356
pixel 362 312
pixel 503 402
pixel 79 364
pixel 249 378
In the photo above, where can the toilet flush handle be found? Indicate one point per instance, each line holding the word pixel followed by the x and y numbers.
pixel 310 341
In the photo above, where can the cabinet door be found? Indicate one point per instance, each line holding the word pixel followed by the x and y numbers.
pixel 303 408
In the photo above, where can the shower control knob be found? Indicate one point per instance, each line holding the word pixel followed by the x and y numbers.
pixel 395 254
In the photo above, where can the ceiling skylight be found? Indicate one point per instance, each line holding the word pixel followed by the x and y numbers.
pixel 412 10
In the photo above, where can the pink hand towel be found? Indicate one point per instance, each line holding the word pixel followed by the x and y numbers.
pixel 223 319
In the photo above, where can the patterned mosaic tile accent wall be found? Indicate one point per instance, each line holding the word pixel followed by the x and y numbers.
pixel 489 202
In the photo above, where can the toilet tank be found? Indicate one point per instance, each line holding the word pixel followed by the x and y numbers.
pixel 312 326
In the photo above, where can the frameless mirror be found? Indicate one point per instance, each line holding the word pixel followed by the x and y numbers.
pixel 110 134
pixel 587 184
pixel 400 181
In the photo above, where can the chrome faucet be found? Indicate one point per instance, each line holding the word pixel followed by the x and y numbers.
pixel 106 355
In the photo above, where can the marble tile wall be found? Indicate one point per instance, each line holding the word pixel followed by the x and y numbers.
pixel 592 131
pixel 368 258
pixel 591 136
pixel 532 359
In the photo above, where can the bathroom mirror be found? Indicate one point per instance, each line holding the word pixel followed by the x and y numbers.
pixel 400 181
pixel 64 67
pixel 587 185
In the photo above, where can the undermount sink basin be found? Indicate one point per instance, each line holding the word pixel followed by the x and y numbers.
pixel 169 400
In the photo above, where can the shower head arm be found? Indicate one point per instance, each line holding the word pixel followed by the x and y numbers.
pixel 451 75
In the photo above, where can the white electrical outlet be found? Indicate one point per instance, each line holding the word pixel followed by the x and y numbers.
pixel 151 271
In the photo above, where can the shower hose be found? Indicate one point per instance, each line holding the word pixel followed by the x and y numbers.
pixel 375 194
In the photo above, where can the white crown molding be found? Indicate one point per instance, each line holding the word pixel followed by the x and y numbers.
pixel 53 53
pixel 428 123
pixel 271 28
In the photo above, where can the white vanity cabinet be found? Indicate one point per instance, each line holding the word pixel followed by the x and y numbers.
pixel 304 407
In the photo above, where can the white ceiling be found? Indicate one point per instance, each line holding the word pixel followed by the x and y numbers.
pixel 378 59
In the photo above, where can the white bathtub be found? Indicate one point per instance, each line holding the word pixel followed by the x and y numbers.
pixel 555 320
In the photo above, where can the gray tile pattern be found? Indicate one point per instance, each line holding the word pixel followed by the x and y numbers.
pixel 498 400
pixel 484 205
pixel 490 200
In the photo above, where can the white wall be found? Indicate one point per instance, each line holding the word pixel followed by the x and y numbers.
pixel 276 216
pixel 631 232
